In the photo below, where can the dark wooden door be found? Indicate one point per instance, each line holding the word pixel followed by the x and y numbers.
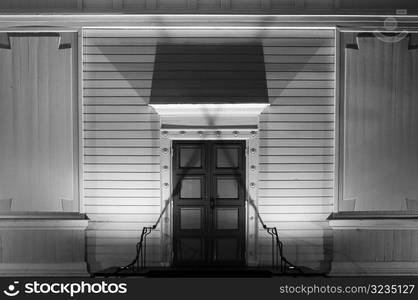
pixel 209 203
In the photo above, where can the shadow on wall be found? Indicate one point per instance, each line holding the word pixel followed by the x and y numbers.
pixel 122 71
pixel 300 81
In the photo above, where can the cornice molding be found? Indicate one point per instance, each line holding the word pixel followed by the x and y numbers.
pixel 72 22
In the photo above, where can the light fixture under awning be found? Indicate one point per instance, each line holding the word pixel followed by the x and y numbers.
pixel 208 86
pixel 244 115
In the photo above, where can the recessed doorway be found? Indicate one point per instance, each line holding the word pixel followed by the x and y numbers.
pixel 209 192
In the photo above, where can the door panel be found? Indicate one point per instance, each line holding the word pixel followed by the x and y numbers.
pixel 226 250
pixel 227 218
pixel 191 218
pixel 190 250
pixel 191 205
pixel 227 187
pixel 191 156
pixel 209 203
pixel 192 187
pixel 227 157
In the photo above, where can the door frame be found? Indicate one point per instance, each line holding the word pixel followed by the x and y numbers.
pixel 251 136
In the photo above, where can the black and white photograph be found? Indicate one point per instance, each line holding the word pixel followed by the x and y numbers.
pixel 270 142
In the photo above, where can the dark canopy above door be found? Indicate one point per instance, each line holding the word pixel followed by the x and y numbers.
pixel 209 85
pixel 209 74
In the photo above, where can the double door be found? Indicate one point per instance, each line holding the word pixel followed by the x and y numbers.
pixel 209 203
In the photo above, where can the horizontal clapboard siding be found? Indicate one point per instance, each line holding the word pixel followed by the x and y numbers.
pixel 122 137
pixel 121 161
pixel 297 155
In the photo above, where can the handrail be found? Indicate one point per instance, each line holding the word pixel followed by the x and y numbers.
pixel 276 246
pixel 277 251
pixel 141 246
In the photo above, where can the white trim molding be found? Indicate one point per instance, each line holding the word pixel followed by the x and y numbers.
pixel 73 21
pixel 374 244
pixel 43 244
pixel 210 122
pixel 76 269
pixel 375 224
pixel 398 268
pixel 224 109
pixel 49 224
pixel 373 221
pixel 51 215
pixel 209 116
pixel 209 134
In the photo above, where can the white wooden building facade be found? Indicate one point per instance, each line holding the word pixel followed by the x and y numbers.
pixel 86 161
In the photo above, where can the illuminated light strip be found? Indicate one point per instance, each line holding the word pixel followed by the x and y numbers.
pixel 201 109
pixel 196 129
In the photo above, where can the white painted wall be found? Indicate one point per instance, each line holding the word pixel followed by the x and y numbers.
pixel 122 135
